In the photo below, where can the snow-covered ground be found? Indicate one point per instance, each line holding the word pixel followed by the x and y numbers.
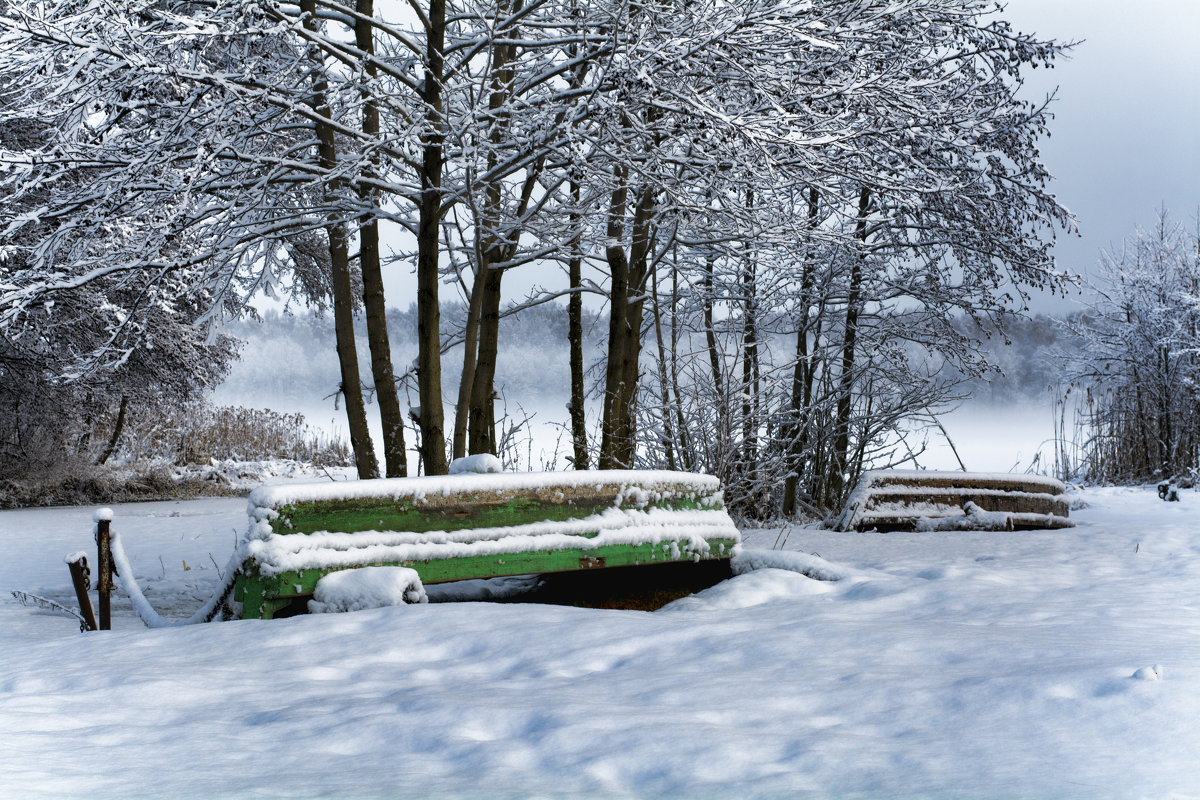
pixel 941 664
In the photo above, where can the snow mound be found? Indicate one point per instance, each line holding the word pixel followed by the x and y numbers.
pixel 366 587
pixel 750 589
pixel 480 463
pixel 1154 673
pixel 748 560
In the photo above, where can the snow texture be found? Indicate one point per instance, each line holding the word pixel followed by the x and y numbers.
pixel 480 463
pixel 1154 673
pixel 972 518
pixel 278 496
pixel 367 587
pixel 938 665
pixel 689 530
pixel 813 566
pixel 875 477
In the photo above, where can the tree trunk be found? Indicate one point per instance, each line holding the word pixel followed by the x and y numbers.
pixel 343 323
pixel 797 430
pixel 841 442
pixel 687 459
pixel 429 340
pixel 390 415
pixel 619 425
pixel 668 436
pixel 467 380
pixel 494 247
pixel 482 432
pixel 710 338
pixel 575 336
pixel 618 294
pixel 750 365
pixel 116 434
pixel 576 408
pixel 343 289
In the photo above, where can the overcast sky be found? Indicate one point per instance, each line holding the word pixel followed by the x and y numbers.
pixel 1126 131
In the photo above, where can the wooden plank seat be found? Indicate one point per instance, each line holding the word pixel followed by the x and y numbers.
pixel 459 527
pixel 889 500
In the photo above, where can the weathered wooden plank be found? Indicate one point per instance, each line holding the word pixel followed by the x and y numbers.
pixel 458 512
pixel 988 500
pixel 905 500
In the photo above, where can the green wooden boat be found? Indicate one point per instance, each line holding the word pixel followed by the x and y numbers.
pixel 460 527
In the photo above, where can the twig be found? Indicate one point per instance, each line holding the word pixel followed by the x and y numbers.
pixel 785 532
pixel 949 441
pixel 25 598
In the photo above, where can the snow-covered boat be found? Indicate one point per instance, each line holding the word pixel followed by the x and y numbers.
pixel 888 500
pixel 460 527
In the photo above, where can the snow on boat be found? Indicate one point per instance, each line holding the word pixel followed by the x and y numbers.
pixel 890 500
pixel 469 526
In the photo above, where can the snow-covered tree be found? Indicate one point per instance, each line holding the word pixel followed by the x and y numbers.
pixel 843 177
pixel 215 143
pixel 879 177
pixel 1139 370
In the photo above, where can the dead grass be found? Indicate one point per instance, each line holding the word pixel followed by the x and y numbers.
pixel 92 485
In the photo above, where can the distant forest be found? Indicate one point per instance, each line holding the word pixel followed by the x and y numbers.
pixel 289 358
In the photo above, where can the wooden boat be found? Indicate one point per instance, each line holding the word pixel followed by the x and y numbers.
pixel 889 500
pixel 459 527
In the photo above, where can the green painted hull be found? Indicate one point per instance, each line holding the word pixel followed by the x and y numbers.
pixel 266 591
pixel 263 596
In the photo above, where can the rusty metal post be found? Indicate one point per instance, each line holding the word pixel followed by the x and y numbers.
pixel 79 578
pixel 104 566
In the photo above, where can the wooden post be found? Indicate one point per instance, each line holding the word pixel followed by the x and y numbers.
pixel 79 569
pixel 103 519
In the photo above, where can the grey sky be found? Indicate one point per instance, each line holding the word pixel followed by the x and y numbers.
pixel 1126 133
